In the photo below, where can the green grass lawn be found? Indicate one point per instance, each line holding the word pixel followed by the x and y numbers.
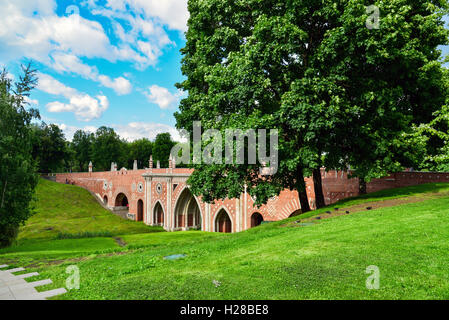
pixel 70 209
pixel 409 243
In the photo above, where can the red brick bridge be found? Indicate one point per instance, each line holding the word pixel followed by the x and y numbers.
pixel 160 196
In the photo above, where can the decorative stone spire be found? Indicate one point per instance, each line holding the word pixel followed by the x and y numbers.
pixel 135 165
pixel 90 166
pixel 158 164
pixel 170 162
pixel 173 162
pixel 151 162
pixel 112 166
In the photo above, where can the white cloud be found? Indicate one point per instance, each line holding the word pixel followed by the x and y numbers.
pixel 30 101
pixel 173 13
pixel 52 86
pixel 72 64
pixel 137 130
pixel 163 97
pixel 69 131
pixel 120 85
pixel 131 131
pixel 85 107
pixel 34 30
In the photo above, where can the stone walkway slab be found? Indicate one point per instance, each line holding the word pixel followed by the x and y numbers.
pixel 14 287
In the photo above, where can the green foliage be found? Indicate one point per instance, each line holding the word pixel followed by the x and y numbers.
pixel 106 148
pixel 81 145
pixel 49 147
pixel 82 235
pixel 17 169
pixel 435 137
pixel 141 151
pixel 340 94
pixel 162 147
pixel 54 154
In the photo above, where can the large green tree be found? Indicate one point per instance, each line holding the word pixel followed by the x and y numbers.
pixel 161 148
pixel 340 92
pixel 434 136
pixel 141 151
pixel 106 148
pixel 49 147
pixel 18 176
pixel 81 145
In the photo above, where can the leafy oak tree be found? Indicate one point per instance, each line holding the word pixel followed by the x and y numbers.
pixel 342 92
pixel 18 176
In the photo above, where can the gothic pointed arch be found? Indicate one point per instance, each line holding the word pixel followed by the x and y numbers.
pixel 187 213
pixel 223 221
pixel 158 214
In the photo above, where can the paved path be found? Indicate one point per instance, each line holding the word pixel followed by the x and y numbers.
pixel 16 288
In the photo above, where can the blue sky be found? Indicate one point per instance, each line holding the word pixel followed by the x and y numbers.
pixel 105 62
pixel 100 62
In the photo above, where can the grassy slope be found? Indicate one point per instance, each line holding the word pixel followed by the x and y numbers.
pixel 70 209
pixel 326 260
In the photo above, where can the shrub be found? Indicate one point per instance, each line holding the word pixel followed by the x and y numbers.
pixel 81 235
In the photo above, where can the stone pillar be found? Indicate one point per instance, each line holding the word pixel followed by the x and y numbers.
pixel 170 164
pixel 148 199
pixel 90 166
pixel 245 209
pixel 169 219
pixel 207 218
pixel 135 168
pixel 237 215
pixel 158 164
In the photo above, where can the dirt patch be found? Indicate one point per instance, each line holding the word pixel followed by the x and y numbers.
pixel 367 206
pixel 120 242
pixel 43 263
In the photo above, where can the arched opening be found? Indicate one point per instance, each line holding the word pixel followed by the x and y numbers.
pixel 140 210
pixel 295 213
pixel 121 201
pixel 256 219
pixel 223 223
pixel 158 212
pixel 105 200
pixel 187 211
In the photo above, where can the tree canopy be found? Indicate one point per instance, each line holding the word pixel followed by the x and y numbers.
pixel 18 176
pixel 162 147
pixel 49 147
pixel 341 94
